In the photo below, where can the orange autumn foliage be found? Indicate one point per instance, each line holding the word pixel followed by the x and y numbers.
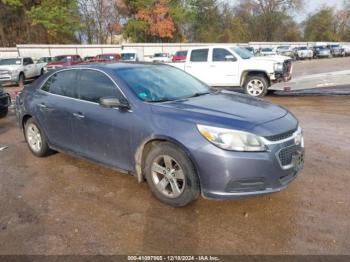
pixel 160 22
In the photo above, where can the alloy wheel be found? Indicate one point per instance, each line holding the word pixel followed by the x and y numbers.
pixel 168 176
pixel 255 87
pixel 34 138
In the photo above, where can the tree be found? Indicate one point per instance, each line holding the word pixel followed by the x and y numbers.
pixel 321 26
pixel 58 17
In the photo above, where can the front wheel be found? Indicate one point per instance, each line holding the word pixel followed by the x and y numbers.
pixel 21 80
pixel 171 176
pixel 256 86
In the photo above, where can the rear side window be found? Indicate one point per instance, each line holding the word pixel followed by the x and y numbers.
pixel 94 85
pixel 199 55
pixel 62 83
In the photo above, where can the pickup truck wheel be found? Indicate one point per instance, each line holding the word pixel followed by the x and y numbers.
pixel 36 139
pixel 256 86
pixel 171 176
pixel 21 80
pixel 41 71
pixel 3 112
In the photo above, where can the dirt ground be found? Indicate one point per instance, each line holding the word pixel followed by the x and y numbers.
pixel 62 205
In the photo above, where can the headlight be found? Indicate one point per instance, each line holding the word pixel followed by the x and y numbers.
pixel 278 67
pixel 232 139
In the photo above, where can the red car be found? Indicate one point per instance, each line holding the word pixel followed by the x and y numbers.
pixel 180 56
pixel 63 61
pixel 106 58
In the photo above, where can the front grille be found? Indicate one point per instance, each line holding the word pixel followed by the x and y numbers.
pixel 287 67
pixel 286 154
pixel 281 136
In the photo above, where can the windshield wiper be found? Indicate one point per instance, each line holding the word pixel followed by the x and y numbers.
pixel 161 100
pixel 199 94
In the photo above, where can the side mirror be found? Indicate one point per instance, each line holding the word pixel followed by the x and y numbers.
pixel 230 58
pixel 112 102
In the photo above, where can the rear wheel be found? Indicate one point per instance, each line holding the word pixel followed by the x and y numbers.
pixel 171 176
pixel 36 139
pixel 256 86
pixel 21 80
pixel 3 112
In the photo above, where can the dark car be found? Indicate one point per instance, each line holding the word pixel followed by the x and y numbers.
pixel 106 58
pixel 63 61
pixel 162 125
pixel 179 56
pixel 5 101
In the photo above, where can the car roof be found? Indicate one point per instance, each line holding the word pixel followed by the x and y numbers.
pixel 119 65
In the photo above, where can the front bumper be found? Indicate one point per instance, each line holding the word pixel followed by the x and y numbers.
pixel 8 78
pixel 233 175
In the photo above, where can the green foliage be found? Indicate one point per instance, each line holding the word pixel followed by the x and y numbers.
pixel 58 17
pixel 321 26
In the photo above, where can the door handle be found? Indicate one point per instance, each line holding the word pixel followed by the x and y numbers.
pixel 43 106
pixel 78 115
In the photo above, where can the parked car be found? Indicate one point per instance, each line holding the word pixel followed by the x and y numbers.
pixel 45 60
pixel 285 51
pixel 267 51
pixel 17 70
pixel 303 52
pixel 321 52
pixel 180 56
pixel 233 66
pixel 106 58
pixel 162 125
pixel 161 58
pixel 346 49
pixel 336 50
pixel 63 61
pixel 88 58
pixel 5 101
pixel 129 55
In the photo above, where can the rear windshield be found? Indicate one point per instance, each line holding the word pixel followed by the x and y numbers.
pixel 181 53
pixel 62 58
pixel 11 61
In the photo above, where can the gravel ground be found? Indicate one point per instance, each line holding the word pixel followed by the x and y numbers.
pixel 62 205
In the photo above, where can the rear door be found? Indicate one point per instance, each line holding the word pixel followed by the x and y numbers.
pixel 223 70
pixel 101 134
pixel 55 108
pixel 198 66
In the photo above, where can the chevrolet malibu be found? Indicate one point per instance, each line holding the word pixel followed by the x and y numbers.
pixel 163 126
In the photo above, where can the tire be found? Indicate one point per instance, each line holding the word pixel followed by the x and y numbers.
pixel 21 80
pixel 41 72
pixel 179 175
pixel 3 112
pixel 36 139
pixel 256 86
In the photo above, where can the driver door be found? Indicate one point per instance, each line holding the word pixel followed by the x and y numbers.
pixel 224 68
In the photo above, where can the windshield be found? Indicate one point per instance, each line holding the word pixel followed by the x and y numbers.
pixel 335 46
pixel 242 52
pixel 303 48
pixel 321 47
pixel 159 83
pixel 160 55
pixel 266 50
pixel 62 58
pixel 13 61
pixel 128 56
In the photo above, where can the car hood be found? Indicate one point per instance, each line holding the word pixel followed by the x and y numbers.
pixel 57 63
pixel 271 58
pixel 9 67
pixel 230 110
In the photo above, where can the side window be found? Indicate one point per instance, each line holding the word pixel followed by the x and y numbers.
pixel 94 85
pixel 199 55
pixel 219 55
pixel 30 61
pixel 62 83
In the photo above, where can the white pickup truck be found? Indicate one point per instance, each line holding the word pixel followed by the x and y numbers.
pixel 17 70
pixel 233 66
